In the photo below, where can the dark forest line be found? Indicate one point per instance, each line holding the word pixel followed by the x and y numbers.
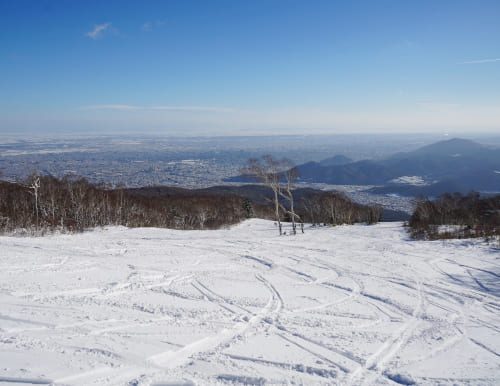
pixel 44 204
pixel 456 216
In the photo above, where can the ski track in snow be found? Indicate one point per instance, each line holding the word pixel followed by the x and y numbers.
pixel 358 305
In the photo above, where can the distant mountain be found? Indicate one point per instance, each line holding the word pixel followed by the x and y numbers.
pixel 447 166
pixel 448 148
pixel 355 173
pixel 446 160
pixel 336 160
pixel 455 165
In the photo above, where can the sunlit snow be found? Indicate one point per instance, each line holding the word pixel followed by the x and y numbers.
pixel 344 305
pixel 410 180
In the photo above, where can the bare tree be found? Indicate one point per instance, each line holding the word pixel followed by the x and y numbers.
pixel 267 171
pixel 34 185
pixel 289 176
pixel 280 176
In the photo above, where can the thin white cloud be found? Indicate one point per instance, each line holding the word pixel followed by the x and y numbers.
pixel 98 31
pixel 193 108
pixel 110 107
pixel 167 108
pixel 481 61
pixel 147 26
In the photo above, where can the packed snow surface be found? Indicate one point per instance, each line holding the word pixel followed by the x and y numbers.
pixel 343 305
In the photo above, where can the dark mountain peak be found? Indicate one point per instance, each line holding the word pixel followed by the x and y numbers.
pixel 335 160
pixel 451 147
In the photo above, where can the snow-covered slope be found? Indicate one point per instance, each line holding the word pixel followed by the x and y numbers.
pixel 345 305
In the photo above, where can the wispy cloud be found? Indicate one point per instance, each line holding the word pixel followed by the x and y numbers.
pixel 167 108
pixel 110 107
pixel 481 61
pixel 193 108
pixel 98 31
pixel 147 26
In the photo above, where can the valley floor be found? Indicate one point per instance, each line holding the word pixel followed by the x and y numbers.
pixel 344 305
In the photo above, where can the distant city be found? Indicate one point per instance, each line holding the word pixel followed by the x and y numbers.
pixel 198 162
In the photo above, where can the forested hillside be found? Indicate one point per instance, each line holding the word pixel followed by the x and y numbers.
pixel 456 216
pixel 44 203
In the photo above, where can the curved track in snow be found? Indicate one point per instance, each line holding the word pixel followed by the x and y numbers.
pixel 345 305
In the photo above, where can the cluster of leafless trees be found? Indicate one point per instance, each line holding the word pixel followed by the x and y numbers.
pixel 336 208
pixel 280 176
pixel 326 207
pixel 456 216
pixel 44 203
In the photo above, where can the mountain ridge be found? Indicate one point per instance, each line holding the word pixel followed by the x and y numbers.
pixel 446 166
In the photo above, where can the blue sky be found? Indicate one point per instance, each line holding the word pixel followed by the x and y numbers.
pixel 249 67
